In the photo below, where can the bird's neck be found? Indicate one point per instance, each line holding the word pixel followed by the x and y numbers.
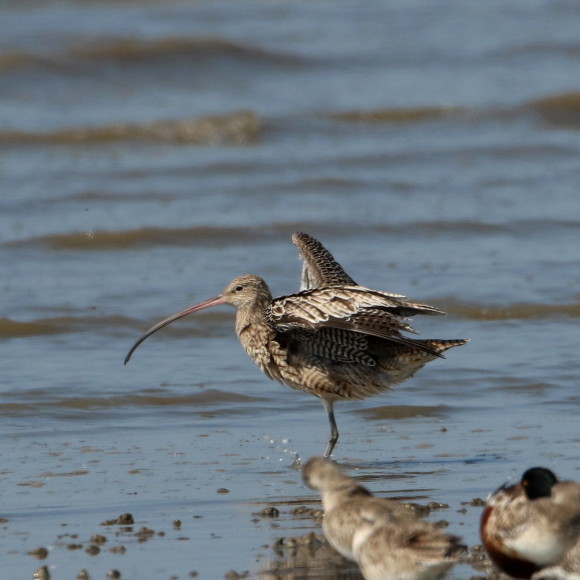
pixel 252 315
pixel 256 337
pixel 338 494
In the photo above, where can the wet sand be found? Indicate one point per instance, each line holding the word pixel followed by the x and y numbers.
pixel 295 556
pixel 190 497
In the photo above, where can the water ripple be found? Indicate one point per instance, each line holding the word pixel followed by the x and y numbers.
pixel 237 128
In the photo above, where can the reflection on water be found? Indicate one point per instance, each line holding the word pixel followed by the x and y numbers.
pixel 307 558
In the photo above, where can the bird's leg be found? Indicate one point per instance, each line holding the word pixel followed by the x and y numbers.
pixel 329 408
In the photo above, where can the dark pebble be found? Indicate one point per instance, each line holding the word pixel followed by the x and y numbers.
pixel 123 520
pixel 269 512
pixel 418 510
pixel 74 546
pixel 435 505
pixel 309 539
pixel 306 511
pixel 39 553
pixel 144 534
pixel 233 575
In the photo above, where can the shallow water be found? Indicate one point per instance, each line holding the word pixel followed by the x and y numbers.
pixel 153 151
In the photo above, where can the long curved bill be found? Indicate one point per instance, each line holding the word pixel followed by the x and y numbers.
pixel 189 310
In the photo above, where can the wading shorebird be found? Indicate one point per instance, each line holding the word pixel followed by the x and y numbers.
pixel 533 526
pixel 387 549
pixel 343 499
pixel 334 339
pixel 381 535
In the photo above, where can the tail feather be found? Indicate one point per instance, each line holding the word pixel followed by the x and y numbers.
pixel 440 346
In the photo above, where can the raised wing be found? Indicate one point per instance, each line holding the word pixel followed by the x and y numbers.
pixel 319 268
pixel 311 308
pixel 348 308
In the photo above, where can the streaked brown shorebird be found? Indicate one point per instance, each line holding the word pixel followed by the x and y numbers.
pixel 343 499
pixel 389 549
pixel 532 529
pixel 334 339
pixel 383 536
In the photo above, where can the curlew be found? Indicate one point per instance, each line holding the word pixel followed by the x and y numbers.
pixel 533 527
pixel 334 339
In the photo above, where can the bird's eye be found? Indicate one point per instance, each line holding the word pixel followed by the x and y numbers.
pixel 238 288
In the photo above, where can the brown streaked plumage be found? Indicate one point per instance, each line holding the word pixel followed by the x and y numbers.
pixel 319 268
pixel 382 535
pixel 533 525
pixel 389 549
pixel 343 498
pixel 335 339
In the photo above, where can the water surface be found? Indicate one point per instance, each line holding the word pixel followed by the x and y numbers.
pixel 152 151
